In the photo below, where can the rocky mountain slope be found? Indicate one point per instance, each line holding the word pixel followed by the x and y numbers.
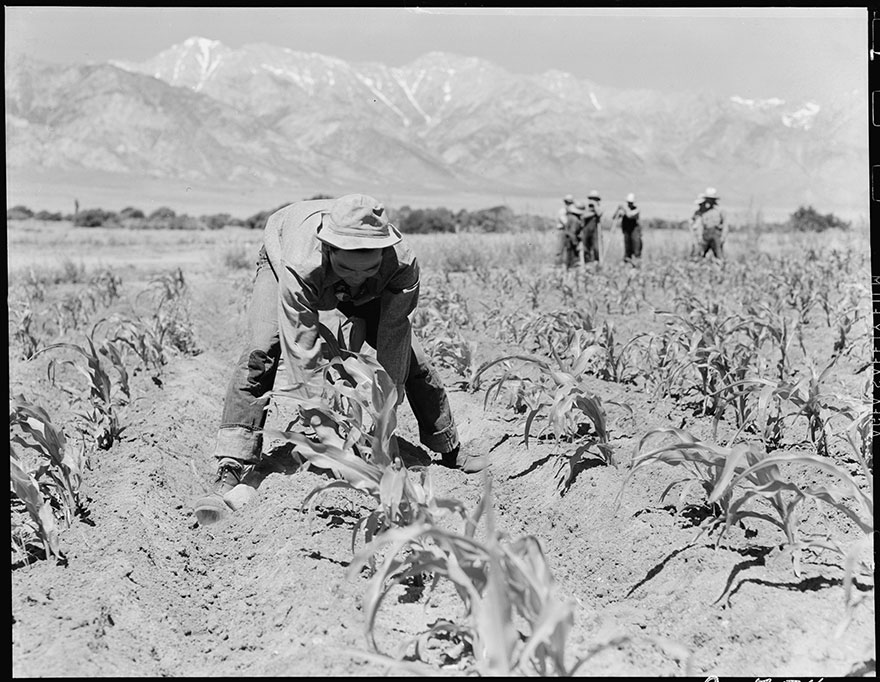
pixel 269 115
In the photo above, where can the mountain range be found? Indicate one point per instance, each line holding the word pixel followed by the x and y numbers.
pixel 268 116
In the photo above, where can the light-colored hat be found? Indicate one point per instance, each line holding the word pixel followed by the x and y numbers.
pixel 594 194
pixel 577 207
pixel 712 194
pixel 357 221
pixel 568 199
pixel 631 198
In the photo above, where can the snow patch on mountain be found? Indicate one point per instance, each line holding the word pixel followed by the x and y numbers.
pixel 366 80
pixel 802 118
pixel 760 104
pixel 410 95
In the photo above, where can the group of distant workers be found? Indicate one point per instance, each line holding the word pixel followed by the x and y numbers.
pixel 580 232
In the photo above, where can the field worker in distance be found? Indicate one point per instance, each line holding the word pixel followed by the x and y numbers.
pixel 590 228
pixel 317 255
pixel 570 236
pixel 713 225
pixel 561 223
pixel 628 216
pixel 695 226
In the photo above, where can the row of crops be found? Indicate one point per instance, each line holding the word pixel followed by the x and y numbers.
pixel 770 357
pixel 756 349
pixel 98 345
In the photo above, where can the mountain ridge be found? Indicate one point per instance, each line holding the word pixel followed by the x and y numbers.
pixel 264 114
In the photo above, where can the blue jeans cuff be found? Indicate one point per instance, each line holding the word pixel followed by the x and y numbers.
pixel 238 442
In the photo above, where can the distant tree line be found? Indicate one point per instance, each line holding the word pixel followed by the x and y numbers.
pixel 408 220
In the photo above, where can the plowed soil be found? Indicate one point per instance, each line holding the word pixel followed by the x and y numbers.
pixel 146 591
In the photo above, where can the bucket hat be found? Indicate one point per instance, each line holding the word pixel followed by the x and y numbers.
pixel 577 207
pixel 712 194
pixel 594 194
pixel 631 198
pixel 568 199
pixel 357 221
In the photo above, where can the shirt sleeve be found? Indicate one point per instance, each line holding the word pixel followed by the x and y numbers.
pixel 272 240
pixel 298 331
pixel 394 342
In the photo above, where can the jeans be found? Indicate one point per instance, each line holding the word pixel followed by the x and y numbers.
pixel 249 390
pixel 567 250
pixel 590 237
pixel 632 243
pixel 712 242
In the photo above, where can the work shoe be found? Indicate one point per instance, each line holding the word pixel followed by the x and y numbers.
pixel 230 473
pixel 228 492
pixel 466 461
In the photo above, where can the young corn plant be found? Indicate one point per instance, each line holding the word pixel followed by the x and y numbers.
pixel 565 400
pixel 349 431
pixel 617 361
pixel 807 397
pixel 106 285
pixel 48 491
pixel 101 409
pixel 498 582
pixel 170 321
pixel 733 477
pixel 515 622
pixel 25 333
pixel 140 338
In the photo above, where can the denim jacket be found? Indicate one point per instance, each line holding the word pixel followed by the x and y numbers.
pixel 307 284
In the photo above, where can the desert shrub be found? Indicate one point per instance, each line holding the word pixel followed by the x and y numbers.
pixel 443 220
pixel 19 213
pixel 425 220
pixel 162 220
pixel 808 219
pixel 320 196
pixel 131 213
pixel 237 222
pixel 258 220
pixel 94 217
pixel 162 213
pixel 495 219
pixel 47 215
pixel 217 221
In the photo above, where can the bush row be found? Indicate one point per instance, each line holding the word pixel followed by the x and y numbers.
pixel 407 219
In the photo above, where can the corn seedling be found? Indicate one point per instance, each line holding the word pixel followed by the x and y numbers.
pixel 50 491
pixel 101 412
pixel 27 490
pixel 499 583
pixel 807 397
pixel 731 477
pixel 349 431
pixel 106 285
pixel 139 337
pixel 24 333
pixel 569 401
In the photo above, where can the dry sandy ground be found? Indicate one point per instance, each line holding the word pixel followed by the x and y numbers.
pixel 146 591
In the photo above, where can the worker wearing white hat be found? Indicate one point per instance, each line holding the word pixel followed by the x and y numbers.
pixel 628 218
pixel 713 225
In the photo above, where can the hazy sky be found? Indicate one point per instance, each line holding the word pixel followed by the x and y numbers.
pixel 792 53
